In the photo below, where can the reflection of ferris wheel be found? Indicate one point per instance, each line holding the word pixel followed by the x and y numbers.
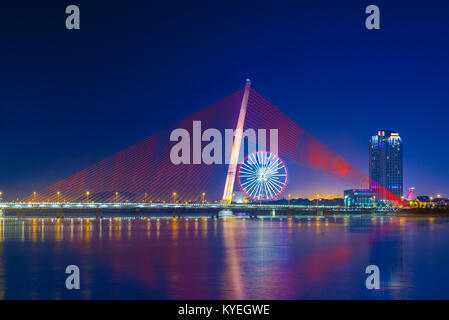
pixel 262 176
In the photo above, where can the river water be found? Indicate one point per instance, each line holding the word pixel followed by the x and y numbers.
pixel 233 258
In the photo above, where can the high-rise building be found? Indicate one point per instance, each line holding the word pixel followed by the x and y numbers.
pixel 385 162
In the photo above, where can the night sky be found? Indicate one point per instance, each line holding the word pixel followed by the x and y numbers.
pixel 70 98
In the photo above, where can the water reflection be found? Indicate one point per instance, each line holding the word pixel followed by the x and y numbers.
pixel 235 258
pixel 232 286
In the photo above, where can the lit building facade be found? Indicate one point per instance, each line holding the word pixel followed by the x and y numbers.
pixel 359 198
pixel 385 162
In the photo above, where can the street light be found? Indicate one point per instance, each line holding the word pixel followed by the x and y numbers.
pixel 87 196
pixel 174 197
pixel 34 195
pixel 0 197
pixel 439 196
pixel 58 193
pixel 202 201
pixel 116 194
pixel 289 199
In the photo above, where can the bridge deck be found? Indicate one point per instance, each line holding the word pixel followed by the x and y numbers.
pixel 190 206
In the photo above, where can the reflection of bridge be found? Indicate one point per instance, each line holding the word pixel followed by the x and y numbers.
pixel 212 209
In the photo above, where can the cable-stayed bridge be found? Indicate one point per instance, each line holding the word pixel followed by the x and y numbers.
pixel 145 176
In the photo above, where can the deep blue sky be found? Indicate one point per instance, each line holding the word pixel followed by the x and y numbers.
pixel 71 98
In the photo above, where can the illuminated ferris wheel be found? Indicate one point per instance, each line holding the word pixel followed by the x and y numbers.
pixel 262 176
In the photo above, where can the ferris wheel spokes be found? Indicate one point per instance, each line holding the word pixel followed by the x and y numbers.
pixel 262 176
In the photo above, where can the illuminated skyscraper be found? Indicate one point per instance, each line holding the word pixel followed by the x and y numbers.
pixel 385 162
